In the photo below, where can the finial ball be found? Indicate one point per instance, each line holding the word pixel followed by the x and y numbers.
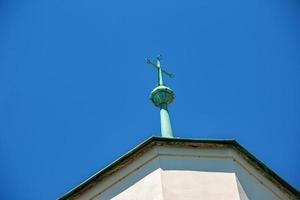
pixel 162 95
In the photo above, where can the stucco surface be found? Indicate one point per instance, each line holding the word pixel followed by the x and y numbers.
pixel 148 188
pixel 186 173
pixel 191 185
pixel 182 185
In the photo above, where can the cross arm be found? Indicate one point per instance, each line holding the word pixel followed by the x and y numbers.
pixel 162 70
pixel 151 63
pixel 167 73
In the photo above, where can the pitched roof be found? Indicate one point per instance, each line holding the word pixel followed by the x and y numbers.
pixel 159 141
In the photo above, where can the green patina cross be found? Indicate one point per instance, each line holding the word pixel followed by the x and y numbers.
pixel 159 70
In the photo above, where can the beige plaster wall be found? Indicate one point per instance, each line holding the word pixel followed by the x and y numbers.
pixel 186 173
pixel 191 185
pixel 148 188
pixel 182 185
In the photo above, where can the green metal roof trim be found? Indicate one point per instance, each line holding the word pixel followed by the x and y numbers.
pixel 152 141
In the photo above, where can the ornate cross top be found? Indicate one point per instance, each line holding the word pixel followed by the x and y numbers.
pixel 159 70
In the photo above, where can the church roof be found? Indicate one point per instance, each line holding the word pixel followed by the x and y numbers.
pixel 179 142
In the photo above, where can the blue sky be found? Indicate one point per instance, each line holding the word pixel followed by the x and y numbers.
pixel 74 85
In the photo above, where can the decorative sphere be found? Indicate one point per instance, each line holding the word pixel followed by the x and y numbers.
pixel 162 95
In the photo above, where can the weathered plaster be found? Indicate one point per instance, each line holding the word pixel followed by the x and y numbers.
pixel 165 172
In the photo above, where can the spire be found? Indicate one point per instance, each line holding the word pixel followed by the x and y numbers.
pixel 162 96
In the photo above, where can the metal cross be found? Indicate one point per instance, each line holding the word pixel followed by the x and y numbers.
pixel 159 70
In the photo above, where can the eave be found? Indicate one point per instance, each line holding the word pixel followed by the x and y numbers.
pixel 180 142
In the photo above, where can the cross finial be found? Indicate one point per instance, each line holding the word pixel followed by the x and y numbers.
pixel 159 69
pixel 162 96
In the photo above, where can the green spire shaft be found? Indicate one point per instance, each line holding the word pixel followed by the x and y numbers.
pixel 161 97
pixel 166 128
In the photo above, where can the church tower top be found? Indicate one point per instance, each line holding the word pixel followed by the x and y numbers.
pixel 161 97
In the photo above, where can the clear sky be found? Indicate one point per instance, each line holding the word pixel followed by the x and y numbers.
pixel 74 84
